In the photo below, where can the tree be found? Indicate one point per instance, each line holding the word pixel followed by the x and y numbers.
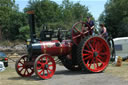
pixel 5 10
pixel 115 17
pixel 57 16
pixel 10 20
pixel 46 11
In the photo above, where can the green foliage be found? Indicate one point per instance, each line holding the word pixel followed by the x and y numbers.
pixel 14 24
pixel 24 33
pixel 45 11
pixel 57 16
pixel 115 17
pixel 10 20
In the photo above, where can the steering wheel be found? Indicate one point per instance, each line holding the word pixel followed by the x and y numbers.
pixel 79 31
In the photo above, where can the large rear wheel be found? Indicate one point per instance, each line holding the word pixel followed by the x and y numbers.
pixel 93 54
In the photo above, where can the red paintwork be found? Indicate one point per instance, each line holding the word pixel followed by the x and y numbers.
pixel 101 60
pixel 45 70
pixel 49 47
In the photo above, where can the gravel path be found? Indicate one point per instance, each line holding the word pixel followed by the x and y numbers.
pixel 64 77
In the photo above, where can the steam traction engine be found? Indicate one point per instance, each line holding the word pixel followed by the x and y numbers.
pixel 81 51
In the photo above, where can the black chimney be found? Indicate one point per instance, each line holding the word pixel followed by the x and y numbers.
pixel 32 25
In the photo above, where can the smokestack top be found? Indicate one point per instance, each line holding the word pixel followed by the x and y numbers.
pixel 30 12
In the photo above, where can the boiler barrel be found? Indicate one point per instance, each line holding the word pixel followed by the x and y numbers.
pixel 53 48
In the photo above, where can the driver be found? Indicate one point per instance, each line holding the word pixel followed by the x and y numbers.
pixel 91 24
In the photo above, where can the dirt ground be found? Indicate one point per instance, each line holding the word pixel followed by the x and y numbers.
pixel 111 76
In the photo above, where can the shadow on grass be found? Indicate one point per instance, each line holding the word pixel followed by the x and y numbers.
pixel 60 72
pixel 67 72
pixel 31 78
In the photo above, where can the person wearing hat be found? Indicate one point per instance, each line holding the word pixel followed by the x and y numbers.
pixel 91 25
pixel 103 31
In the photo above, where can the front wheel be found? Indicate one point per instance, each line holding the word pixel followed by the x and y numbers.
pixel 23 68
pixel 44 66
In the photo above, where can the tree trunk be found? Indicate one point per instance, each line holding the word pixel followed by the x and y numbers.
pixel 0 33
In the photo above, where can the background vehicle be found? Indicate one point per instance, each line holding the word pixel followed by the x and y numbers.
pixel 121 45
pixel 4 59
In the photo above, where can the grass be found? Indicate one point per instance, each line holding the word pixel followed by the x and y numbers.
pixel 10 77
pixel 118 71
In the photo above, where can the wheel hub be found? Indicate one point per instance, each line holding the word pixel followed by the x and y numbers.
pixel 46 66
pixel 95 54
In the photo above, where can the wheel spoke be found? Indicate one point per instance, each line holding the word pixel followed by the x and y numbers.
pixel 97 45
pixel 87 57
pixel 87 62
pixel 91 46
pixel 76 36
pixel 100 57
pixel 100 47
pixel 25 71
pixel 85 54
pixel 47 72
pixel 41 71
pixel 19 66
pixel 91 63
pixel 88 51
pixel 97 63
pixel 100 61
pixel 21 69
pixel 77 29
pixel 50 70
pixel 94 65
pixel 87 47
pixel 50 65
pixel 38 62
pixel 46 60
pixel 101 53
pixel 21 62
pixel 85 32
pixel 94 43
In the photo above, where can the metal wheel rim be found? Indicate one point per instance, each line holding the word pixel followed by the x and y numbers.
pixel 96 54
pixel 23 70
pixel 40 68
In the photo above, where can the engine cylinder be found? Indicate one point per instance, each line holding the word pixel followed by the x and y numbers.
pixel 53 48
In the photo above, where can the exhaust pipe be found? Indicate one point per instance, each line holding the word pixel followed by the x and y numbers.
pixel 32 25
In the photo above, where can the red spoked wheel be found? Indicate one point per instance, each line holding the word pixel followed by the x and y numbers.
pixel 79 31
pixel 45 66
pixel 94 54
pixel 23 68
